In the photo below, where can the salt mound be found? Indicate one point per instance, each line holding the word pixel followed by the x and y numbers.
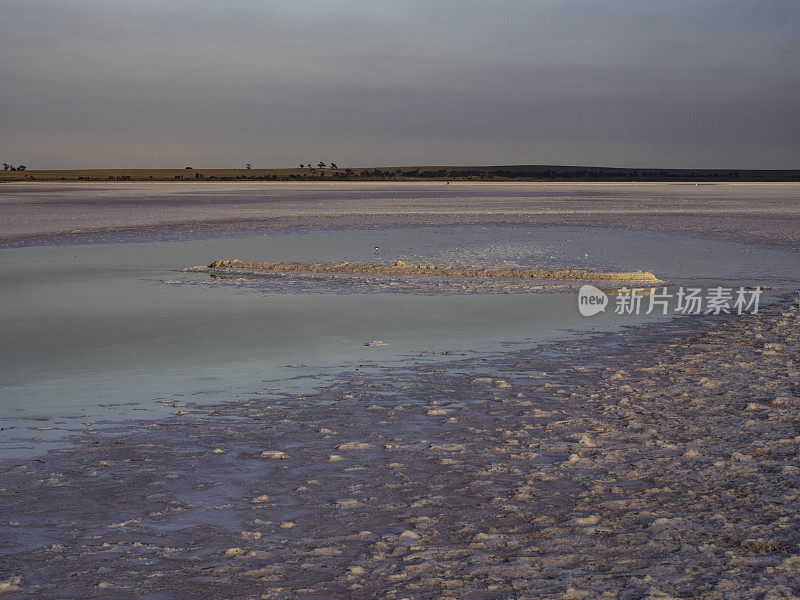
pixel 274 454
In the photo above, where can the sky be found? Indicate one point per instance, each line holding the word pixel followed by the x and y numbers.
pixel 145 84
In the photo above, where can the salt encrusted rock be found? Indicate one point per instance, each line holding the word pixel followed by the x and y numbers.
pixel 483 537
pixel 354 446
pixel 326 551
pixel 274 454
pixel 376 344
pixel 11 585
pixel 447 448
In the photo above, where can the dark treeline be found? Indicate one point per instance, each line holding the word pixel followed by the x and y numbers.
pixel 526 174
pixel 521 173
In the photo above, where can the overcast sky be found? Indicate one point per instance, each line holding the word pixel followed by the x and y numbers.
pixel 140 83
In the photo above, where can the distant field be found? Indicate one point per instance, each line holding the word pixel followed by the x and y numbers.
pixel 491 173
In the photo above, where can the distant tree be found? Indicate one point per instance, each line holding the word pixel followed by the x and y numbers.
pixel 6 166
pixel 198 175
pixel 321 165
pixel 248 166
pixel 187 167
pixel 21 168
pixel 333 166
pixel 302 166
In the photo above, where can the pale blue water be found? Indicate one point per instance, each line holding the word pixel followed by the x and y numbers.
pixel 90 334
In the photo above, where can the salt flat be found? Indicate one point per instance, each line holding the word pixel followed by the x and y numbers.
pixel 69 212
pixel 658 460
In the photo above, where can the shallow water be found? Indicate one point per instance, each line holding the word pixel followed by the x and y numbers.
pixel 90 333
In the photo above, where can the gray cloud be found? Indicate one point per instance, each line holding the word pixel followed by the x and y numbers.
pixel 103 83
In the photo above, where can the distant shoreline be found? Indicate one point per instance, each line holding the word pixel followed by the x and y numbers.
pixel 520 173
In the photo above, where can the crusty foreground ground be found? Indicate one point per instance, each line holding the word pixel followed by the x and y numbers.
pixel 69 212
pixel 656 463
